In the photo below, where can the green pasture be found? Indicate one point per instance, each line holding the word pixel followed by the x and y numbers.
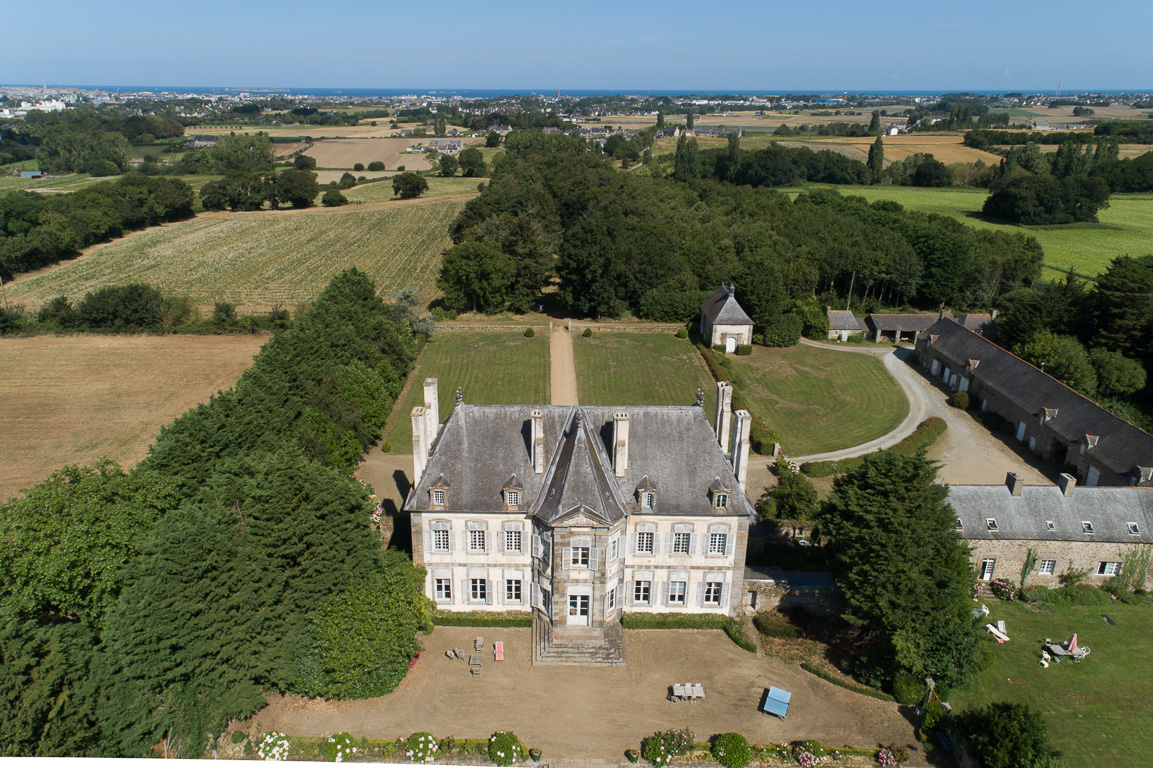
pixel 623 368
pixel 1125 227
pixel 493 367
pixel 437 186
pixel 819 400
pixel 1098 709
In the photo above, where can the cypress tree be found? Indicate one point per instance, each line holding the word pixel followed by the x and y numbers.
pixel 875 125
pixel 876 162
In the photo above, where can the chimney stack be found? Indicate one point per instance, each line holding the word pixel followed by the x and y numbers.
pixel 621 443
pixel 1066 483
pixel 538 441
pixel 1016 485
pixel 724 413
pixel 420 444
pixel 744 425
pixel 431 410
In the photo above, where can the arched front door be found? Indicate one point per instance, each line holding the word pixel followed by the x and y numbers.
pixel 730 345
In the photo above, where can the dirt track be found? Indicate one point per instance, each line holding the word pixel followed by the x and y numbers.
pixel 594 712
pixel 562 367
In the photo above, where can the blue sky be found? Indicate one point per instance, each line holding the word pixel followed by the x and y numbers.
pixel 541 45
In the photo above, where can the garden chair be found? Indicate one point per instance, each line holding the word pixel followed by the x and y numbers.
pixel 479 645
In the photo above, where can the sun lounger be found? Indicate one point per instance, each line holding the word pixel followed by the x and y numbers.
pixel 478 646
pixel 498 650
pixel 1000 636
pixel 1001 626
pixel 776 702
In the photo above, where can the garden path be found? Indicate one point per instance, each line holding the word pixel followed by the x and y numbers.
pixel 562 367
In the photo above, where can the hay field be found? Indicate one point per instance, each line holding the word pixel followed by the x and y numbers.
pixel 73 399
pixel 261 259
pixel 344 153
pixel 944 147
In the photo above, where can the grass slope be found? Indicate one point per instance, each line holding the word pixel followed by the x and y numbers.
pixel 493 367
pixel 257 260
pixel 620 368
pixel 1125 227
pixel 1097 710
pixel 820 400
pixel 74 399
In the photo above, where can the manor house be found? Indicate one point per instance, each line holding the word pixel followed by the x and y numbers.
pixel 581 513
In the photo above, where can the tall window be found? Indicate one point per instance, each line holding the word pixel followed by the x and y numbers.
pixel 613 546
pixel 610 599
pixel 645 542
pixel 680 543
pixel 512 591
pixel 512 541
pixel 440 541
pixel 718 543
pixel 476 541
pixel 438 497
pixel 642 591
pixel 713 593
pixel 987 567
pixel 444 589
pixel 479 590
pixel 1108 569
pixel 677 590
pixel 1047 567
pixel 580 557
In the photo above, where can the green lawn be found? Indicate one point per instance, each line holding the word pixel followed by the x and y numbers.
pixel 819 400
pixel 1126 226
pixel 493 367
pixel 1097 710
pixel 620 368
pixel 437 186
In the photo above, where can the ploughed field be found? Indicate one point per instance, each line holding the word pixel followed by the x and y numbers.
pixel 75 399
pixel 262 259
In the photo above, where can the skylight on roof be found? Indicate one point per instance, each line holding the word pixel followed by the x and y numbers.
pixel 1050 525
pixel 1133 529
pixel 991 523
pixel 1086 526
pixel 960 525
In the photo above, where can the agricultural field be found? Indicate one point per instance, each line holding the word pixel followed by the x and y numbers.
pixel 622 368
pixel 493 367
pixel 945 147
pixel 74 399
pixel 819 400
pixel 1097 710
pixel 67 183
pixel 1125 227
pixel 262 259
pixel 344 153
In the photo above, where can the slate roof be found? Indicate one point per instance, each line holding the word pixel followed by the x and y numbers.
pixel 982 324
pixel 905 323
pixel 1122 447
pixel 480 446
pixel 1026 517
pixel 844 320
pixel 722 308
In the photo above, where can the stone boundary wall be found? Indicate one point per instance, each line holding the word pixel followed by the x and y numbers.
pixel 521 328
pixel 775 595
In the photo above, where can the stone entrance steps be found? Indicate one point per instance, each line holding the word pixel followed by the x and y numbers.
pixel 577 646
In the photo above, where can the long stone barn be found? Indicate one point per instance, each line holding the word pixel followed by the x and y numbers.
pixel 581 513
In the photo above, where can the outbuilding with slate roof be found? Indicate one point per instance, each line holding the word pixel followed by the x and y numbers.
pixel 1055 422
pixel 1068 528
pixel 900 327
pixel 724 322
pixel 578 514
pixel 843 324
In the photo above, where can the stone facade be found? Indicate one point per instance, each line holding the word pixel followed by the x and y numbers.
pixel 723 322
pixel 1099 560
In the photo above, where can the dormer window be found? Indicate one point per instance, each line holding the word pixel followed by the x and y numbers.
pixel 1134 529
pixel 647 494
pixel 512 498
pixel 960 525
pixel 438 493
pixel 991 523
pixel 721 500
pixel 439 497
pixel 1086 526
pixel 649 499
pixel 719 494
pixel 511 493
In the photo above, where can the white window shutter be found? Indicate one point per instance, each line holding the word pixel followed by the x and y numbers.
pixel 656 543
pixel 537 547
pixel 668 592
pixel 607 610
pixel 488 590
pixel 701 594
pixel 629 593
pixel 620 594
pixel 431 546
pixel 452 541
pixel 692 543
pixel 536 596
pixel 500 544
pixel 632 543
pixel 593 559
pixel 465 592
pixel 567 559
pixel 488 541
pixel 500 591
pixel 724 595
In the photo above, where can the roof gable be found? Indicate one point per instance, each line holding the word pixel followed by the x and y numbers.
pixel 722 308
pixel 579 477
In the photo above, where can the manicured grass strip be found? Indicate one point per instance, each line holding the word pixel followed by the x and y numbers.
pixel 730 626
pixel 257 260
pixel 854 687
pixel 926 433
pixel 1126 226
pixel 819 400
pixel 622 368
pixel 493 367
pixel 481 619
pixel 1097 710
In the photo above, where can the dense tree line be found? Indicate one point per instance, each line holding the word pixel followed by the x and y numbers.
pixel 629 243
pixel 76 139
pixel 37 230
pixel 140 612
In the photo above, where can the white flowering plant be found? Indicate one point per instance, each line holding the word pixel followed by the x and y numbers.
pixel 504 748
pixel 273 746
pixel 421 747
pixel 338 748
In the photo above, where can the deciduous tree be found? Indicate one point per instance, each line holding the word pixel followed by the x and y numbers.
pixel 408 185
